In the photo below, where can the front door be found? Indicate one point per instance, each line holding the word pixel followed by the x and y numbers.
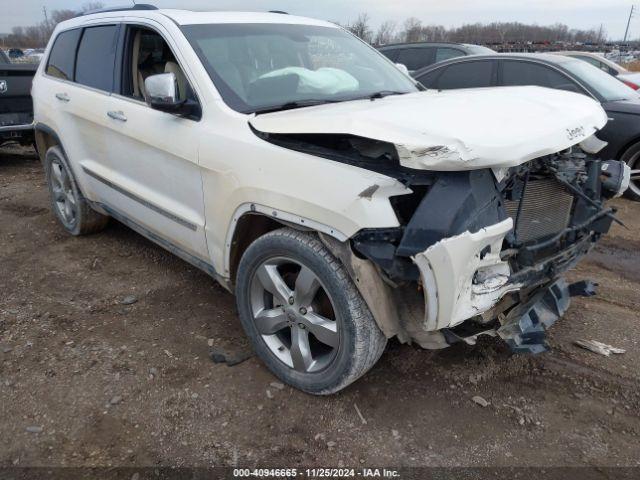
pixel 151 175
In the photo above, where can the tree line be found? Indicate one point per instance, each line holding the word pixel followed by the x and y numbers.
pixel 413 30
pixel 37 36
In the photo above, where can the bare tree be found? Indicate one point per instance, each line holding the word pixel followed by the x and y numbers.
pixel 412 30
pixel 38 35
pixel 361 28
pixel 385 33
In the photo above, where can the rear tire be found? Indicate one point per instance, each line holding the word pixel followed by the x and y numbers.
pixel 632 158
pixel 71 207
pixel 315 333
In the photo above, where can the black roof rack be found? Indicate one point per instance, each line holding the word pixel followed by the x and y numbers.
pixel 138 6
pixel 279 11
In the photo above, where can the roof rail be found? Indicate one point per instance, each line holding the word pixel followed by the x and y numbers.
pixel 137 6
pixel 279 11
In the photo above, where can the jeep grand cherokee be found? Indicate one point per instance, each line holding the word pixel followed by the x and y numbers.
pixel 306 173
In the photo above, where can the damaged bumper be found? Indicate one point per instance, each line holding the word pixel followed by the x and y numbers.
pixel 464 276
pixel 479 253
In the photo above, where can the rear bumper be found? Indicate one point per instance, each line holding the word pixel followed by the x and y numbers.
pixel 17 128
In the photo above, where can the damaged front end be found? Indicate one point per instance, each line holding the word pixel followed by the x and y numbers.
pixel 478 251
pixel 487 248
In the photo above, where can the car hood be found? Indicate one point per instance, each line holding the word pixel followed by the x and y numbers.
pixel 455 129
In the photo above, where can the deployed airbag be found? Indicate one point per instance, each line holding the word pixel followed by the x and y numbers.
pixel 323 80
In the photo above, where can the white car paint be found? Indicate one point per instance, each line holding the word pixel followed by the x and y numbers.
pixel 456 129
pixel 189 182
pixel 448 269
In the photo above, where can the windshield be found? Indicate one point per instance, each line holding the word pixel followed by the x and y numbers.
pixel 258 67
pixel 606 86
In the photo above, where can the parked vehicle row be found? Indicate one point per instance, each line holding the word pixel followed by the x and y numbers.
pixel 341 203
pixel 622 104
pixel 422 54
pixel 631 79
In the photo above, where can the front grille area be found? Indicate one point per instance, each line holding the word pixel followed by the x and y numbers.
pixel 545 210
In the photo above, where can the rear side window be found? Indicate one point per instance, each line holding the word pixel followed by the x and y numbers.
pixel 63 54
pixel 96 57
pixel 467 75
pixel 525 73
pixel 445 53
pixel 415 58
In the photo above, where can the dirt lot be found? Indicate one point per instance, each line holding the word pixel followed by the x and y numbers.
pixel 88 381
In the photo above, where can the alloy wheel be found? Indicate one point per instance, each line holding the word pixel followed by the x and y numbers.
pixel 294 315
pixel 64 197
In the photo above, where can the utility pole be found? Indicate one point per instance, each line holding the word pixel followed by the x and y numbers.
pixel 46 17
pixel 626 32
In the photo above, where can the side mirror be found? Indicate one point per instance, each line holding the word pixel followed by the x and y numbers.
pixel 403 68
pixel 162 94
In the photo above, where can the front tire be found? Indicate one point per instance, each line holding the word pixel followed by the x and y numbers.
pixel 304 316
pixel 632 158
pixel 71 207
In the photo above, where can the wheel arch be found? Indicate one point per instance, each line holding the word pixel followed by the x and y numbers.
pixel 46 137
pixel 252 221
pixel 627 146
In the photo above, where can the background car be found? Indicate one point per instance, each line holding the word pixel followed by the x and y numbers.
pixel 15 53
pixel 622 104
pixel 16 106
pixel 632 79
pixel 419 55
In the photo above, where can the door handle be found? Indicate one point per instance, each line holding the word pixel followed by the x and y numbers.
pixel 63 97
pixel 120 116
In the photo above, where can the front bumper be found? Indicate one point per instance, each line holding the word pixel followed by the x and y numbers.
pixel 464 276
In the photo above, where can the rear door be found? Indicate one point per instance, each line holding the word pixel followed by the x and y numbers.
pixel 77 87
pixel 150 175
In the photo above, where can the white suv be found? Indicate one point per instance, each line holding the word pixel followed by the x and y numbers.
pixel 341 203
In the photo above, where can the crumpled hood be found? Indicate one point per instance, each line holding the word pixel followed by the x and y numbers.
pixel 455 129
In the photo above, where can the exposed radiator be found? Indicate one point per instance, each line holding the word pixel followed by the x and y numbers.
pixel 545 211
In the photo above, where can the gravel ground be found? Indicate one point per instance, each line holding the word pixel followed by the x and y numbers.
pixel 104 361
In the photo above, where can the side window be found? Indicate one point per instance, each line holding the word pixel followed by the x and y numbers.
pixel 391 54
pixel 415 58
pixel 467 75
pixel 445 53
pixel 593 61
pixel 148 54
pixel 429 79
pixel 525 73
pixel 63 55
pixel 96 57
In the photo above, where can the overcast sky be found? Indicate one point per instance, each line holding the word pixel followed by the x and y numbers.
pixel 575 13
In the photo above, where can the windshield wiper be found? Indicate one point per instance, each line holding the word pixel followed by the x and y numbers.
pixel 293 105
pixel 384 93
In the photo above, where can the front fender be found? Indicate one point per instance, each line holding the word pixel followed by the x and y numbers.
pixel 294 187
